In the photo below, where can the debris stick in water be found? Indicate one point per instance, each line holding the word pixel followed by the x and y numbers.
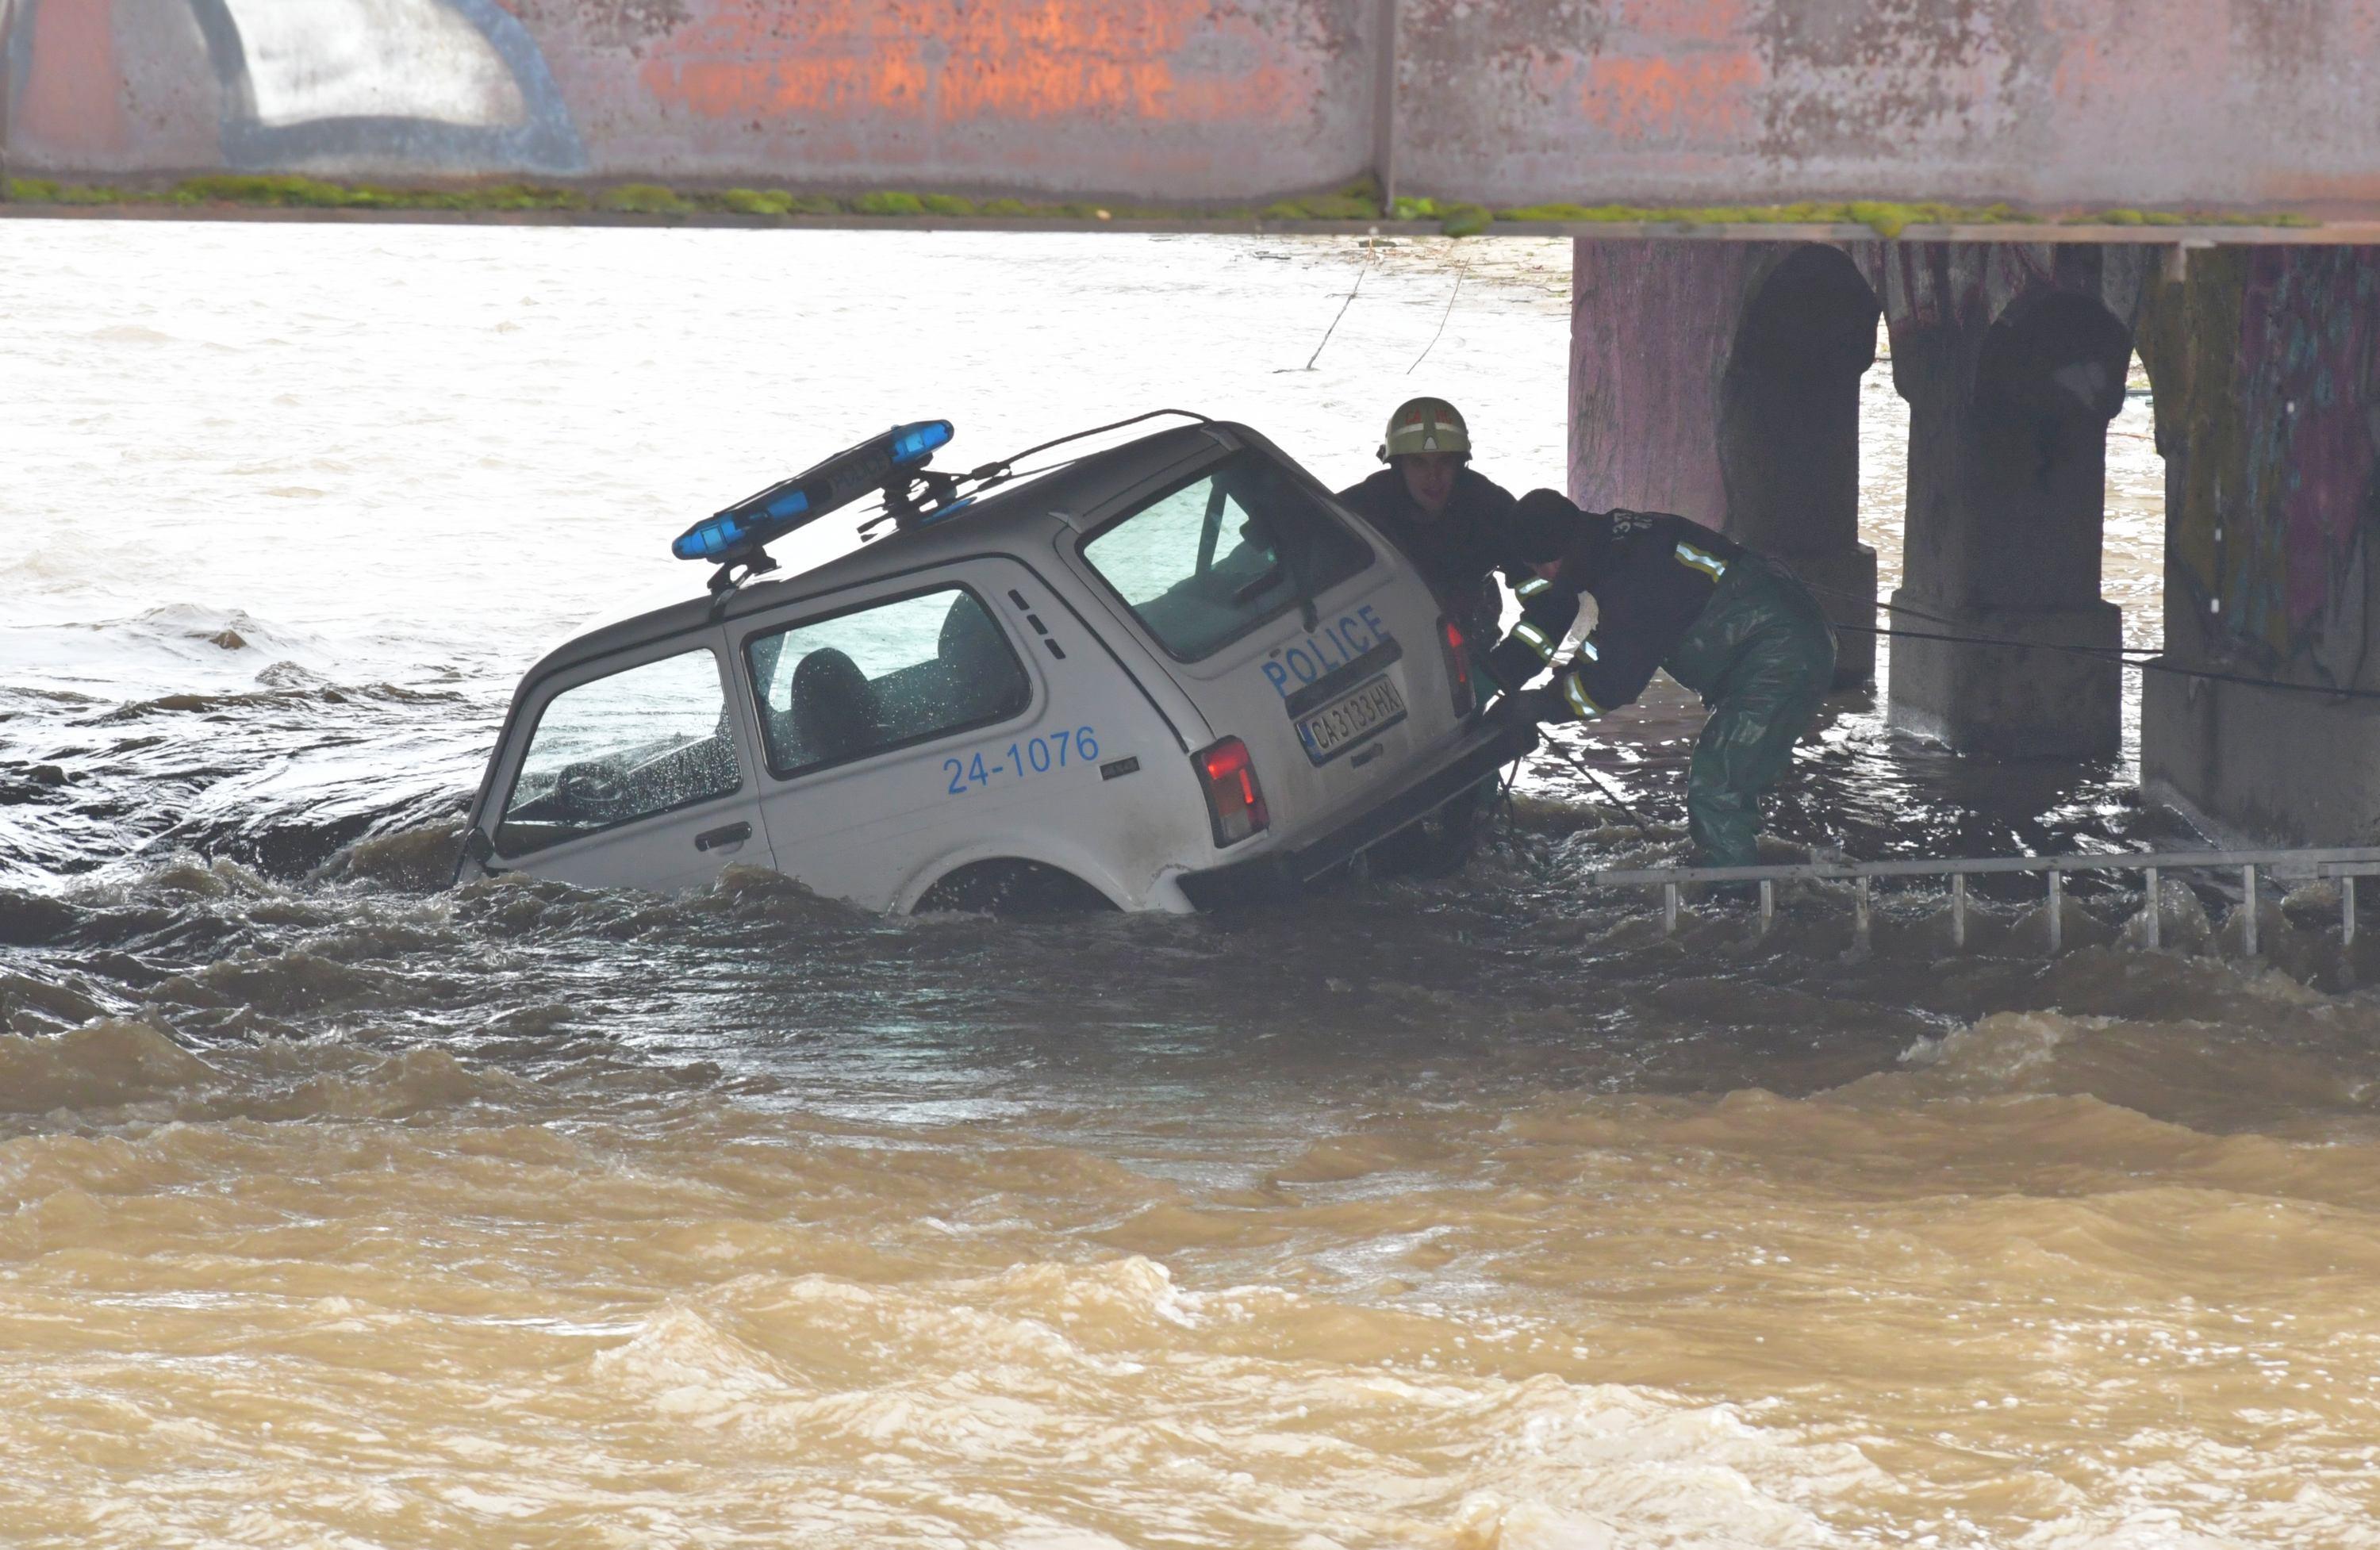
pixel 1441 320
pixel 1342 312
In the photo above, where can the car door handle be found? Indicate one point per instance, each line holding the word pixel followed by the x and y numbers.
pixel 723 837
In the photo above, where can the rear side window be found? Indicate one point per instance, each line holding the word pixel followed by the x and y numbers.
pixel 644 741
pixel 1204 564
pixel 881 677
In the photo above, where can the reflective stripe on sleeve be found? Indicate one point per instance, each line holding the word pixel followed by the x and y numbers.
pixel 1532 587
pixel 1537 639
pixel 1710 566
pixel 1586 648
pixel 1576 693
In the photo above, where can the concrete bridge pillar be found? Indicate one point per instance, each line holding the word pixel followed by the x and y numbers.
pixel 2265 366
pixel 2012 359
pixel 1720 380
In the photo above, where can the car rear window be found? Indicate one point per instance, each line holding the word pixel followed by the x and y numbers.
pixel 1210 561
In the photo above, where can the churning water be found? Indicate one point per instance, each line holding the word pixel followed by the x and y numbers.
pixel 339 1209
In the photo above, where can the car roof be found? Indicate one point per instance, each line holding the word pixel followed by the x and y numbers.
pixel 1016 519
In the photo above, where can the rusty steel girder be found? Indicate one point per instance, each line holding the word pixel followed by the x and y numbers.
pixel 2043 104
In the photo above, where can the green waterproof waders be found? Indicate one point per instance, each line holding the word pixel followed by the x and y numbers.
pixel 1762 656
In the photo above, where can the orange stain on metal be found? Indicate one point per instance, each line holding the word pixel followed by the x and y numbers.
pixel 71 100
pixel 1708 21
pixel 1695 98
pixel 1139 60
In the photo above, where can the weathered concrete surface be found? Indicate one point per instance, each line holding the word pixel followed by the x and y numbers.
pixel 1721 382
pixel 2012 359
pixel 2247 102
pixel 2265 366
pixel 2223 101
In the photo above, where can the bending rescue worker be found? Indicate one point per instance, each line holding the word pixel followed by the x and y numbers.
pixel 1727 624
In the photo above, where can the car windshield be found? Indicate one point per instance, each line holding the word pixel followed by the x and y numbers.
pixel 1207 561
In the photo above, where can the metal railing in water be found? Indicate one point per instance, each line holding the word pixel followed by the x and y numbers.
pixel 2343 864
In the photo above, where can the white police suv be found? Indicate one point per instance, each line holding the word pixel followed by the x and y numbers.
pixel 1164 675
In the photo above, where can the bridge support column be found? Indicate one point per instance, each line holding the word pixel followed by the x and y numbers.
pixel 1720 380
pixel 2265 363
pixel 2012 362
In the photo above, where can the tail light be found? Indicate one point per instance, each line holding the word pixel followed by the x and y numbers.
pixel 1234 801
pixel 1458 666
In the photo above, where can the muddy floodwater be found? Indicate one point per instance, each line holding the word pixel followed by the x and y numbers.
pixel 342 1208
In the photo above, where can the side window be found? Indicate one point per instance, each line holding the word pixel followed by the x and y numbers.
pixel 640 741
pixel 1204 564
pixel 879 677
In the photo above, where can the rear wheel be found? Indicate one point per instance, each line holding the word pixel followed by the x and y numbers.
pixel 1014 888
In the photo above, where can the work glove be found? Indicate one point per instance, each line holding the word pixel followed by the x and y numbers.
pixel 1531 707
pixel 1520 711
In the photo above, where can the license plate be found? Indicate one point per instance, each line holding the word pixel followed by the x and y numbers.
pixel 1344 723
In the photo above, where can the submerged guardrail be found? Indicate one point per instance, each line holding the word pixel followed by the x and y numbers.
pixel 2344 865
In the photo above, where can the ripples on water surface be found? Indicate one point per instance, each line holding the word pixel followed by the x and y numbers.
pixel 338 1208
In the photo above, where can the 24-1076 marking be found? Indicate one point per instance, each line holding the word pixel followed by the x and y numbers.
pixel 1031 755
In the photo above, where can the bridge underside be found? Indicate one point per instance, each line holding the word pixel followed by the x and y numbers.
pixel 2213 104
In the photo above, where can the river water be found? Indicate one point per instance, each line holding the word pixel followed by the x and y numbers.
pixel 340 1208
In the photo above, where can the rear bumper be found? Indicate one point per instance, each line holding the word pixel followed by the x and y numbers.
pixel 1279 872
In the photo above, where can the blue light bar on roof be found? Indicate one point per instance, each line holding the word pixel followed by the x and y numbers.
pixel 912 442
pixel 738 532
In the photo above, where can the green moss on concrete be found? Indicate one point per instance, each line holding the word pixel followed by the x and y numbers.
pixel 89 194
pixel 1354 203
pixel 1885 218
pixel 1359 200
pixel 755 201
pixel 645 198
pixel 274 189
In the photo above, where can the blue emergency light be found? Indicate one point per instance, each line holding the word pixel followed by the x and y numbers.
pixel 738 533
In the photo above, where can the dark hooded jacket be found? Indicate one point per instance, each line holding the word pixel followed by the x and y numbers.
pixel 1650 573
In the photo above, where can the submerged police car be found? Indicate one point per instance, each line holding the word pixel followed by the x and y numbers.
pixel 1164 675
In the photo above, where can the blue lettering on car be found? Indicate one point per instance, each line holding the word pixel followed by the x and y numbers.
pixel 1352 635
pixel 1027 757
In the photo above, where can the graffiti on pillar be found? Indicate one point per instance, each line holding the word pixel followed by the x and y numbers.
pixel 451 84
pixel 2266 365
pixel 2307 347
pixel 946 61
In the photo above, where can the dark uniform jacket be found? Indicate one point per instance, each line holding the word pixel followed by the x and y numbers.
pixel 1650 575
pixel 1456 552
